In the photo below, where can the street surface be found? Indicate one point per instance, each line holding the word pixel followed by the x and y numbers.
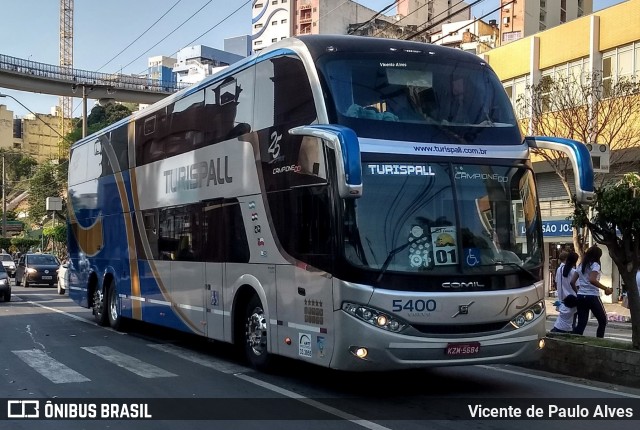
pixel 51 349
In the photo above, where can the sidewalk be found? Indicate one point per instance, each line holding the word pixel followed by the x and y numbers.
pixel 615 313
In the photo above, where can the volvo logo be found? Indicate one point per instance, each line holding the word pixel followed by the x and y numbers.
pixel 463 310
pixel 472 284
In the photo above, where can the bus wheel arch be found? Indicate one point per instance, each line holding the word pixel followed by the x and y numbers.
pixel 251 328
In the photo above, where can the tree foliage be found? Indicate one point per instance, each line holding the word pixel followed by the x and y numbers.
pixel 55 239
pixel 589 109
pixel 99 118
pixel 17 167
pixel 45 182
pixel 616 225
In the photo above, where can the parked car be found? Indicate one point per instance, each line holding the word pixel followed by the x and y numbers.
pixel 9 264
pixel 5 284
pixel 63 277
pixel 37 269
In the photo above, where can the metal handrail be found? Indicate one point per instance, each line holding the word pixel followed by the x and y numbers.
pixel 86 77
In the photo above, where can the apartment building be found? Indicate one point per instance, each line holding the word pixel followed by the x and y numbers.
pixel 523 18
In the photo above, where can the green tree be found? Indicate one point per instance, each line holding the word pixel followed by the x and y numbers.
pixel 44 183
pixel 589 109
pixel 55 237
pixel 99 118
pixel 616 225
pixel 17 168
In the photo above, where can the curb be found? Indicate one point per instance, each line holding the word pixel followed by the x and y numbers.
pixel 614 324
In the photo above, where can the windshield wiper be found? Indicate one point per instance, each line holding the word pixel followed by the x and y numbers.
pixel 392 253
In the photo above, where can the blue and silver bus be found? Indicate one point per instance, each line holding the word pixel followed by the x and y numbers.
pixel 357 203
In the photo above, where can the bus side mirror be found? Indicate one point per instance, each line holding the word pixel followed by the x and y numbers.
pixel 346 148
pixel 580 158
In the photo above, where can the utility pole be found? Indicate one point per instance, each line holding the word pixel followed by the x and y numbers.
pixel 4 202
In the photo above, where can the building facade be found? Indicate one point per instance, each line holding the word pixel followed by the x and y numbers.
pixel 606 42
pixel 523 18
pixel 274 20
pixel 472 36
pixel 6 128
pixel 432 13
pixel 194 63
pixel 239 45
pixel 35 136
pixel 161 68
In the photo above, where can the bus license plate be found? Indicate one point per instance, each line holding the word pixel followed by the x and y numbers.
pixel 463 348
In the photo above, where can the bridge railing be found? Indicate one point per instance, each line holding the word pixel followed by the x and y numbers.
pixel 86 77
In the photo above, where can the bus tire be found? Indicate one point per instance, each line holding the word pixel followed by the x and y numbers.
pixel 99 307
pixel 256 335
pixel 115 319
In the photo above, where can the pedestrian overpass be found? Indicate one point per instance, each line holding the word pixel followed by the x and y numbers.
pixel 32 76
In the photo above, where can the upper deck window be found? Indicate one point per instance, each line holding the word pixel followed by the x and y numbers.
pixel 419 91
pixel 417 88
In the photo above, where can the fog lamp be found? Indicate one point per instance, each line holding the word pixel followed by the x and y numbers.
pixel 382 320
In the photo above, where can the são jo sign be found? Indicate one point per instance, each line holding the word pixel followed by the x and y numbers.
pixel 551 228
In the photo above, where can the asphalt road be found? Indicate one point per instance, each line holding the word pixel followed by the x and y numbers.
pixel 50 349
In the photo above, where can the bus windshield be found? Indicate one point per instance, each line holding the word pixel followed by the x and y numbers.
pixel 442 218
pixel 397 90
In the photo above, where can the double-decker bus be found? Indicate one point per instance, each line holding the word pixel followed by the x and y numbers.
pixel 357 203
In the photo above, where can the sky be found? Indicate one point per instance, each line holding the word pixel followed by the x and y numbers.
pixel 102 29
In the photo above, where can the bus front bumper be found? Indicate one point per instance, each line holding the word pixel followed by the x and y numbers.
pixel 388 351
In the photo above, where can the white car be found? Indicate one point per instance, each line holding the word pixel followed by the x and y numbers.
pixel 63 278
pixel 9 264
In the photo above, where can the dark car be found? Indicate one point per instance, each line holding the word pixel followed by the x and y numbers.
pixel 5 284
pixel 37 269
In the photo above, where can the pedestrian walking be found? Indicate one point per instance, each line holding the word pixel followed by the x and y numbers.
pixel 567 295
pixel 587 280
pixel 562 258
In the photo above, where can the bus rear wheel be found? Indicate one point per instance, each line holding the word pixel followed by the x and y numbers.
pixel 115 319
pixel 99 307
pixel 256 336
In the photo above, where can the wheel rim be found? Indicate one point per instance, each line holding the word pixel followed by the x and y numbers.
pixel 98 297
pixel 257 332
pixel 113 306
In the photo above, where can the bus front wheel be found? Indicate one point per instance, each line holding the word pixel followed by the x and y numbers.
pixel 256 335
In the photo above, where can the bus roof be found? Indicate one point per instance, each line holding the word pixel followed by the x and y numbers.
pixel 316 45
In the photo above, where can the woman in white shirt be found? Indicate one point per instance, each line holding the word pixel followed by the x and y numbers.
pixel 587 279
pixel 567 296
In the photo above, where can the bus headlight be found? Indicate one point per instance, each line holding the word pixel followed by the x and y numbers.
pixel 374 317
pixel 528 315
